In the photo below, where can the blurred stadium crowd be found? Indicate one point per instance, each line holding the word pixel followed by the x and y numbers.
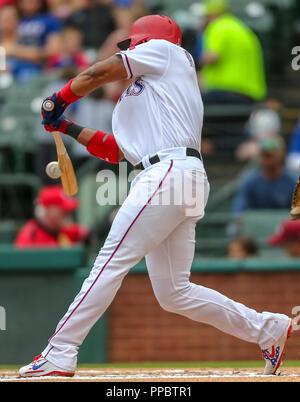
pixel 251 135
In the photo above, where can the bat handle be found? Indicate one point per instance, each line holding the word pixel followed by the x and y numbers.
pixel 48 105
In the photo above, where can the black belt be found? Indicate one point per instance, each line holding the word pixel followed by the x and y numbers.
pixel 155 159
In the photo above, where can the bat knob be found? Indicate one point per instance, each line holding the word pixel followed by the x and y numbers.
pixel 48 105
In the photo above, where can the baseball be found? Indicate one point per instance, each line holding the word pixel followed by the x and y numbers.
pixel 53 170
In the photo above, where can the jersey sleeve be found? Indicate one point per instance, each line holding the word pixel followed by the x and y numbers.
pixel 150 58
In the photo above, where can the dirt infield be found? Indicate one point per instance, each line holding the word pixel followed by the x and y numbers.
pixel 162 375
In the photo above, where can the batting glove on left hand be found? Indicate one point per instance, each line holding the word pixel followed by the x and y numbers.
pixel 59 107
pixel 60 125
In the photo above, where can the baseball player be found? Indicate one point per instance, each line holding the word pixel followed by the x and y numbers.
pixel 157 125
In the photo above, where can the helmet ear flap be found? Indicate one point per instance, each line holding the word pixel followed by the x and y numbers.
pixel 124 44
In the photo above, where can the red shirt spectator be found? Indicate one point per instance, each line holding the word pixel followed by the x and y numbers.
pixel 288 237
pixel 50 227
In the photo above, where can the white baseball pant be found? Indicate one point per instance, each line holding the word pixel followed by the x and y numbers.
pixel 165 234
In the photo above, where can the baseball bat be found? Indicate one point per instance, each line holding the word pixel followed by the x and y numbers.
pixel 68 177
pixel 48 105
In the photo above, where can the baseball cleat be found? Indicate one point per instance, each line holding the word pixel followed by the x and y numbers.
pixel 273 355
pixel 40 367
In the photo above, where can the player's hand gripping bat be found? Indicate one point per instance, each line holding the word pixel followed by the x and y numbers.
pixel 295 209
pixel 68 177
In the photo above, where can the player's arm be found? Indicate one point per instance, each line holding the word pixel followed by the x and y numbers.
pixel 101 73
pixel 100 144
pixel 208 58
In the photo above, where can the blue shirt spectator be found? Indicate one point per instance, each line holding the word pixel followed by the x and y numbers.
pixel 38 38
pixel 293 158
pixel 257 192
pixel 123 3
pixel 295 140
pixel 198 49
pixel 33 32
pixel 269 186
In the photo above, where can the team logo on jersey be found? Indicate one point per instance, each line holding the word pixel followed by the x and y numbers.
pixel 135 89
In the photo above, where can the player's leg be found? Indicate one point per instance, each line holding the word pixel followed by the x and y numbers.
pixel 169 269
pixel 138 227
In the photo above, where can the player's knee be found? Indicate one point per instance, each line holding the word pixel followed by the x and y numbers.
pixel 165 299
pixel 174 300
pixel 168 305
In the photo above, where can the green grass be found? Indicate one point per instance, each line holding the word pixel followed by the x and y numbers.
pixel 228 364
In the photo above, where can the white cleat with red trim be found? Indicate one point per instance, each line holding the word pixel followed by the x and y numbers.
pixel 40 367
pixel 273 355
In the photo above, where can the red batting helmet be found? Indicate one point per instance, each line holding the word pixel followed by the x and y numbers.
pixel 152 27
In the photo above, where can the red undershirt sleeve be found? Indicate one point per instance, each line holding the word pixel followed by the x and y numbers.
pixel 104 146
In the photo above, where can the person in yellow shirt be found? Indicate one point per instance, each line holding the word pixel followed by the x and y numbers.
pixel 232 59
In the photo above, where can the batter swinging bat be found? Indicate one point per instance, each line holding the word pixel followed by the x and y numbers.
pixel 68 177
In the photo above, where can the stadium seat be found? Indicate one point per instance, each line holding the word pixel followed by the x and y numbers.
pixel 26 92
pixel 211 248
pixel 8 231
pixel 224 125
pixel 17 133
pixel 262 223
pixel 17 192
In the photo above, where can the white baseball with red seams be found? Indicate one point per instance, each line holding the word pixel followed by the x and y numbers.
pixel 161 112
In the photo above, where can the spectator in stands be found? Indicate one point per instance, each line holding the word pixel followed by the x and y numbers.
pixel 4 3
pixel 38 38
pixel 264 122
pixel 124 15
pixel 269 186
pixel 95 21
pixel 51 227
pixel 288 237
pixel 9 20
pixel 62 9
pixel 71 54
pixel 293 157
pixel 232 60
pixel 242 247
pixel 123 3
pixel 127 11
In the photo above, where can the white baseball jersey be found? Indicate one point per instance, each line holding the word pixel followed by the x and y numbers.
pixel 162 108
